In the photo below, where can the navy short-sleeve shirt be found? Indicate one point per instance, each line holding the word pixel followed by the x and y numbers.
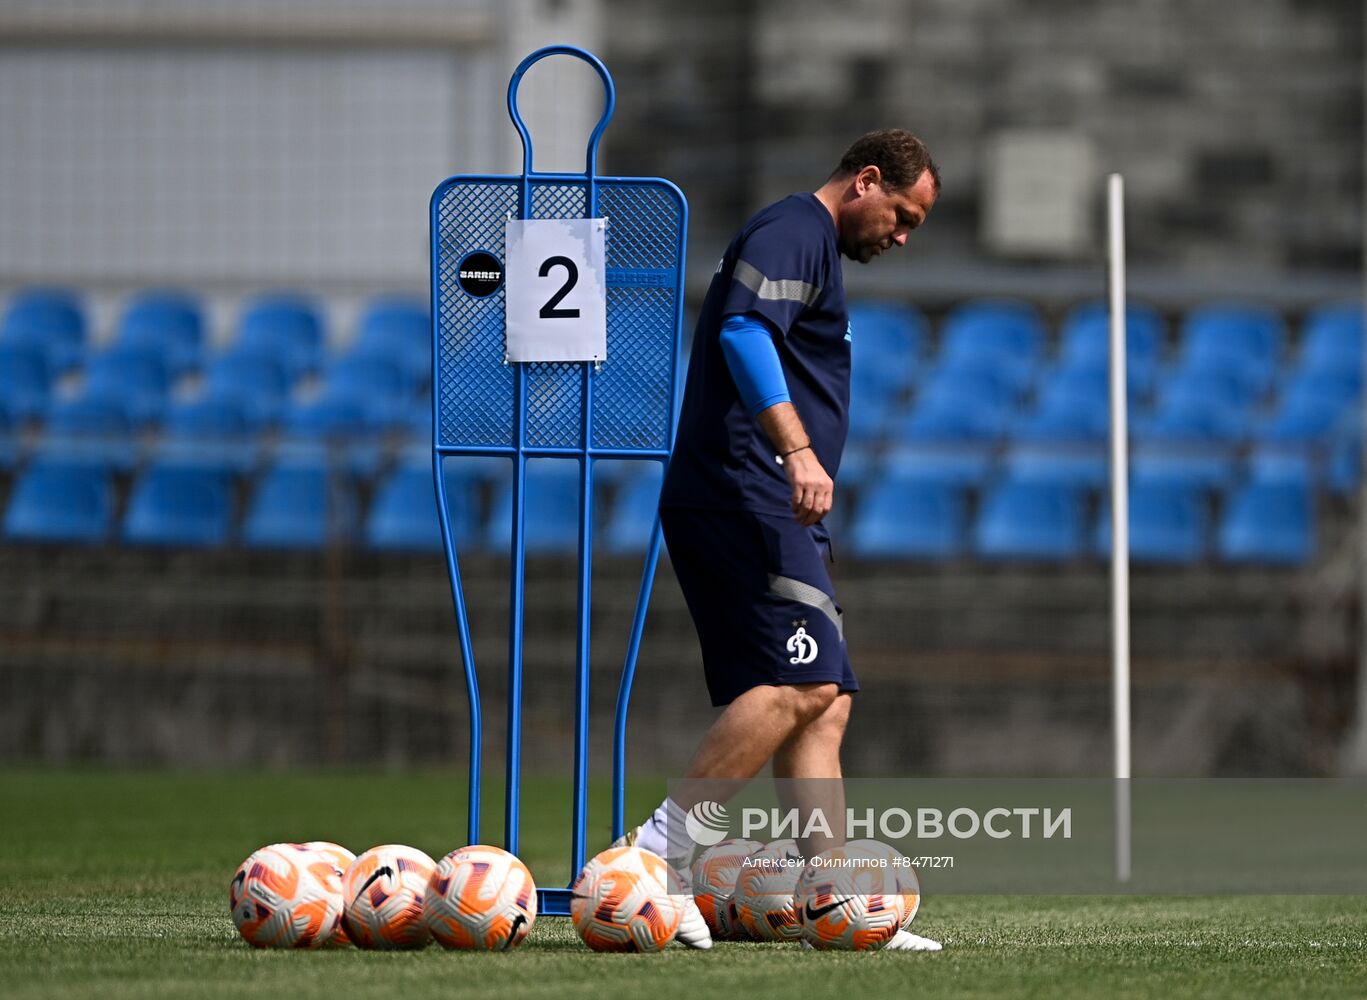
pixel 783 266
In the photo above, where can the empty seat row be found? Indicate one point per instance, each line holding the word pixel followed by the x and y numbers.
pixel 1020 519
pixel 172 325
pixel 306 503
pixel 161 338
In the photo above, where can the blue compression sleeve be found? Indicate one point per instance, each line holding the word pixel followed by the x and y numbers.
pixel 748 344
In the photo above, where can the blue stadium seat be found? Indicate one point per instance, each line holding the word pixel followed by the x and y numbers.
pixel 384 390
pixel 1268 523
pixel 1285 463
pixel 551 506
pixel 283 327
pixel 1206 467
pixel 957 405
pixel 91 429
pixel 25 381
pixel 169 323
pixel 968 388
pixel 300 504
pixel 1187 389
pixel 957 464
pixel 869 417
pixel 633 515
pixel 1244 340
pixel 1331 338
pixel 859 465
pixel 1344 472
pixel 887 340
pixel 398 330
pixel 50 320
pixel 916 519
pixel 1169 523
pixel 1081 467
pixel 336 424
pixel 403 515
pixel 172 504
pixel 1193 420
pixel 948 418
pixel 1072 406
pixel 259 383
pixel 136 375
pixel 9 442
pixel 1002 336
pixel 1030 520
pixel 56 502
pixel 213 431
pixel 1310 409
pixel 1085 338
pixel 327 417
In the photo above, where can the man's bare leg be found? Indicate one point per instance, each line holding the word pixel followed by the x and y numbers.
pixel 735 748
pixel 808 776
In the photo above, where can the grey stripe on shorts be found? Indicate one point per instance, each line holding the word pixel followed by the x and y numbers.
pixel 813 597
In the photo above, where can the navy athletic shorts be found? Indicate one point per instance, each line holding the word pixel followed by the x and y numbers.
pixel 760 597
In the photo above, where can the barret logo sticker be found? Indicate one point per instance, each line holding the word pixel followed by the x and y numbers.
pixel 480 274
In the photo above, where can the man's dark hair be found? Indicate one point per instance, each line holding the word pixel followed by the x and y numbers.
pixel 899 156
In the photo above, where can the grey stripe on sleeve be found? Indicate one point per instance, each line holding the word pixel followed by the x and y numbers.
pixel 789 290
pixel 813 597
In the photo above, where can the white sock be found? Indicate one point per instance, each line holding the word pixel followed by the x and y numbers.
pixel 656 832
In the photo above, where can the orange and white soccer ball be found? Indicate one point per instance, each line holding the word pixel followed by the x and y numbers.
pixel 336 853
pixel 384 890
pixel 480 898
pixel 286 896
pixel 853 898
pixel 714 884
pixel 622 901
pixel 909 885
pixel 764 892
pixel 340 858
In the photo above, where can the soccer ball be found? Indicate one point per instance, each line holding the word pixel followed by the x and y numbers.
pixel 907 882
pixel 341 860
pixel 764 892
pixel 621 901
pixel 480 898
pixel 853 898
pixel 286 896
pixel 384 890
pixel 336 853
pixel 714 883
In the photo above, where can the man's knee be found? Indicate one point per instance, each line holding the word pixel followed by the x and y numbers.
pixel 812 701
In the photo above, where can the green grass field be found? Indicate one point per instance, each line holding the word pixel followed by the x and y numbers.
pixel 114 884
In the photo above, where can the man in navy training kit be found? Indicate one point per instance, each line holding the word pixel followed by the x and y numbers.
pixel 764 419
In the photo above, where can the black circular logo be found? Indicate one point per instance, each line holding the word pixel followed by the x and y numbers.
pixel 480 274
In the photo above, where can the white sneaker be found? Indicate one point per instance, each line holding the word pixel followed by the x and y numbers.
pixel 907 941
pixel 693 931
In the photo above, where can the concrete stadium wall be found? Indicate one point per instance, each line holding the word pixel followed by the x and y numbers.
pixel 265 659
pixel 1238 126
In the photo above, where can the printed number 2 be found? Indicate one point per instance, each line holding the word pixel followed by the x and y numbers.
pixel 549 310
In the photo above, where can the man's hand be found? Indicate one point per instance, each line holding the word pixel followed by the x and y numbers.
pixel 813 490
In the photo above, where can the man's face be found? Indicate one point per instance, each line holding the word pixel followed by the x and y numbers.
pixel 875 219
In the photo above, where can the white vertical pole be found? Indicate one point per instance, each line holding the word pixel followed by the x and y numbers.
pixel 1120 527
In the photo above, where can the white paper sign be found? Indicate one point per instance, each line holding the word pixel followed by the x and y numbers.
pixel 557 290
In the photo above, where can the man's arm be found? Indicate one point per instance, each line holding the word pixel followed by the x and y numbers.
pixel 748 345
